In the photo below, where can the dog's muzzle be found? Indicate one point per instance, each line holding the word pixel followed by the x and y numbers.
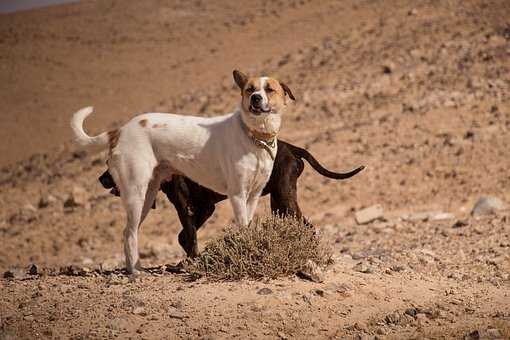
pixel 256 105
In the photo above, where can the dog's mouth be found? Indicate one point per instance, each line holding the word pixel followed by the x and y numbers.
pixel 259 110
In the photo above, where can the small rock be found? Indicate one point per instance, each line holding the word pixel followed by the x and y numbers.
pixel 139 311
pixel 411 312
pixel 412 12
pixel 487 205
pixel 363 268
pixel 421 318
pixel 78 197
pixel 493 333
pixel 369 214
pixel 175 313
pixel 46 200
pixel 474 335
pixel 73 270
pixel 442 216
pixel 282 335
pixel 264 291
pixel 110 265
pixel 318 292
pixel 460 224
pixel 17 274
pixel 32 269
pixel 311 271
pixel 27 214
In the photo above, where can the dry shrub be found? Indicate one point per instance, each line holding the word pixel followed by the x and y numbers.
pixel 270 247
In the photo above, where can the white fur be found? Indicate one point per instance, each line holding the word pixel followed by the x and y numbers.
pixel 214 152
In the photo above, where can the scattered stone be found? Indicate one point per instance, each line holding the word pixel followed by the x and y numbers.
pixel 474 335
pixel 421 318
pixel 369 214
pixel 73 270
pixel 159 250
pixel 411 312
pixel 175 313
pixel 442 216
pixel 311 271
pixel 17 274
pixel 46 200
pixel 460 224
pixel 264 291
pixel 139 311
pixel 78 197
pixel 363 268
pixel 487 205
pixel 428 215
pixel 318 292
pixel 32 269
pixel 492 333
pixel 110 265
pixel 27 214
pixel 282 335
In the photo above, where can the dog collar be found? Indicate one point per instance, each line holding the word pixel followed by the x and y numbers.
pixel 262 140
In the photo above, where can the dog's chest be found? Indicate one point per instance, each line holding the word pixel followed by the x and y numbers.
pixel 258 169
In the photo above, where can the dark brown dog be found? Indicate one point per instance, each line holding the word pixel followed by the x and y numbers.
pixel 195 203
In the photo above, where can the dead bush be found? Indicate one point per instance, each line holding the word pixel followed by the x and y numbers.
pixel 270 247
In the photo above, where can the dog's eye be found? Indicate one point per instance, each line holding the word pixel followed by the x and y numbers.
pixel 250 89
pixel 269 90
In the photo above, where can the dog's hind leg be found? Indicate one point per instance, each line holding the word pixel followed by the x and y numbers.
pixel 138 191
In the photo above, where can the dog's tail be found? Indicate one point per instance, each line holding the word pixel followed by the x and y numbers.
pixel 302 153
pixel 79 134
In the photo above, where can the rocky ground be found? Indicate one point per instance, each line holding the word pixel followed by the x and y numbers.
pixel 419 92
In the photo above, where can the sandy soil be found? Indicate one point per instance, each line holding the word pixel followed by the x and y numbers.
pixel 419 92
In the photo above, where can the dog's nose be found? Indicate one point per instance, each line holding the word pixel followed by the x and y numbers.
pixel 256 99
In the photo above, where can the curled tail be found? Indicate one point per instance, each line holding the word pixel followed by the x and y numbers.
pixel 79 134
pixel 302 153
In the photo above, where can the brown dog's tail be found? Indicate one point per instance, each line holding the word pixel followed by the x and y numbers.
pixel 302 153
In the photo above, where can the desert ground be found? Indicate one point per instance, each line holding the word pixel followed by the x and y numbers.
pixel 417 91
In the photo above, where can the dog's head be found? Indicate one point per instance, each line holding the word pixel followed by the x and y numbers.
pixel 262 95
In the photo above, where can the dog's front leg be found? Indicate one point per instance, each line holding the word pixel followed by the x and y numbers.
pixel 251 205
pixel 238 202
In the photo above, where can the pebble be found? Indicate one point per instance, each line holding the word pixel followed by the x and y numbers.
pixel 369 214
pixel 139 311
pixel 109 265
pixel 460 224
pixel 363 268
pixel 487 205
pixel 46 200
pixel 175 313
pixel 78 197
pixel 264 291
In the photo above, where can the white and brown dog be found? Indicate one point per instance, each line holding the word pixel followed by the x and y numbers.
pixel 231 154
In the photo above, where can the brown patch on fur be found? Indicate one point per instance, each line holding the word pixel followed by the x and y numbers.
pixel 143 122
pixel 276 98
pixel 159 126
pixel 113 139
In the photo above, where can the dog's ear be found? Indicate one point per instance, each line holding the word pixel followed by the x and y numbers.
pixel 240 78
pixel 287 90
